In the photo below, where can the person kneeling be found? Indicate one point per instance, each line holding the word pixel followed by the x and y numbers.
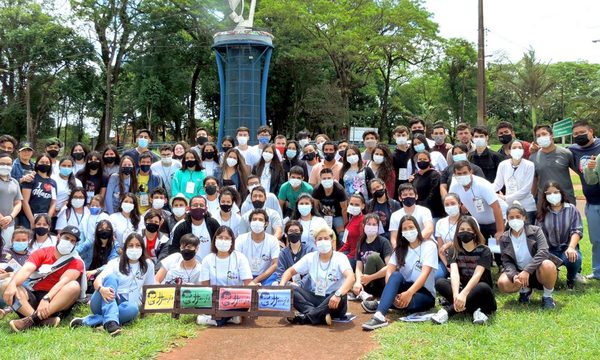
pixel 331 279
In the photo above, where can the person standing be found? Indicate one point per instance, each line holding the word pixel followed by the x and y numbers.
pixel 143 140
pixel 10 194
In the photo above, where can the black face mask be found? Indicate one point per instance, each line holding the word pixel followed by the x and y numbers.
pixel 329 156
pixel 93 165
pixel 309 156
pixel 188 254
pixel 177 157
pixel 415 132
pixel 127 170
pixel 379 193
pixel 226 148
pixel 152 227
pixel 41 231
pixel 409 201
pixel 43 168
pixel 258 204
pixel 78 155
pixel 208 155
pixel 226 207
pixel 294 237
pixel 145 168
pixel 423 164
pixel 109 159
pixel 505 139
pixel 105 234
pixel 210 189
pixel 581 140
pixel 201 140
pixel 465 236
pixel 53 153
pixel 190 164
pixel 342 153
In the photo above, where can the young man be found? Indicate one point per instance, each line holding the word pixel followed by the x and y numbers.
pixel 408 197
pixel 483 156
pixel 342 146
pixel 370 140
pixel 166 168
pixel 439 138
pixel 310 157
pixel 506 136
pixel 417 126
pixel 156 241
pixel 258 195
pixel 147 181
pixel 263 135
pixel 332 202
pixel 52 148
pixel 201 139
pixel 401 157
pixel 271 203
pixel 291 190
pixel 160 201
pixel 261 249
pixel 23 169
pixel 179 207
pixel 54 294
pixel 250 154
pixel 329 162
pixel 181 267
pixel 10 199
pixel 7 144
pixel 464 136
pixel 143 139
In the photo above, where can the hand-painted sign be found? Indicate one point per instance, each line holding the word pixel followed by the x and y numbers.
pixel 235 299
pixel 274 300
pixel 196 297
pixel 160 298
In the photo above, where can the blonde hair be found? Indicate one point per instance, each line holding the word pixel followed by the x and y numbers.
pixel 324 229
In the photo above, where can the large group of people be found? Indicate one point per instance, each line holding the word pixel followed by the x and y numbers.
pixel 388 226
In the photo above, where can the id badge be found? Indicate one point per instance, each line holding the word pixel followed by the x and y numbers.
pixel 144 199
pixel 256 263
pixel 189 187
pixel 345 237
pixel 296 278
pixel 321 287
pixel 419 265
pixel 403 174
pixel 478 202
pixel 511 186
pixel 329 220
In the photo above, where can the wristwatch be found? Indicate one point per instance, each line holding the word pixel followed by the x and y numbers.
pixel 338 293
pixel 47 298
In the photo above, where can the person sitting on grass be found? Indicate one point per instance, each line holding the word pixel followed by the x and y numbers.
pixel 119 287
pixel 331 278
pixel 410 277
pixel 181 267
pixel 469 288
pixel 101 250
pixel 526 260
pixel 57 290
pixel 293 252
pixel 16 253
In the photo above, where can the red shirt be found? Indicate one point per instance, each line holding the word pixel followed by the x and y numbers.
pixel 151 244
pixel 354 229
pixel 45 256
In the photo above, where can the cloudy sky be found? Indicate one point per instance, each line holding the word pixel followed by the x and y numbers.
pixel 558 30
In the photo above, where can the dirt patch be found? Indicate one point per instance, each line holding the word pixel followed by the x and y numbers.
pixel 268 338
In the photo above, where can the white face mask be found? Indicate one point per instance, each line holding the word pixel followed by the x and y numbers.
pixel 354 210
pixel 352 159
pixel 401 140
pixel 480 142
pixel 158 204
pixel 304 209
pixel 257 226
pixel 516 154
pixel 295 182
pixel 410 235
pixel 378 159
pixel 5 170
pixel 371 230
pixel 166 161
pixel 133 254
pixel 370 143
pixel 320 146
pixel 439 139
pixel 463 180
pixel 242 140
pixel 267 156
pixel 554 199
pixel 65 247
pixel 324 246
pixel 77 203
pixel 327 183
pixel 179 211
pixel 544 141
pixel 516 224
pixel 452 210
pixel 303 142
pixel 231 162
pixel 459 157
pixel 127 207
pixel 223 245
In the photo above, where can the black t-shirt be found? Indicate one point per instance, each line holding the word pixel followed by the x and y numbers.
pixel 401 159
pixel 380 245
pixel 488 161
pixel 384 212
pixel 330 204
pixel 428 191
pixel 93 184
pixel 468 261
pixel 41 194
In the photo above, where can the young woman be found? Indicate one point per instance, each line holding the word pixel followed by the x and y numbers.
pixel 179 150
pixel 331 279
pixel 410 283
pixel 93 216
pixel 79 153
pixel 354 228
pixel 227 144
pixel 291 158
pixel 181 267
pixel 234 171
pixel 293 252
pixel 382 204
pixel 308 216
pixel 269 170
pixel 469 288
pixel 74 211
pixel 224 266
pixel 91 176
pixel 155 241
pixel 526 260
pixel 98 252
pixel 355 176
pixel 427 182
pixel 445 229
pixel 210 160
pixel 189 179
pixel 383 166
pixel 118 288
pixel 110 161
pixel 41 233
pixel 226 216
pixel 373 252
pixel 39 195
pixel 420 144
pixel 561 224
pixel 65 182
pixel 119 183
pixel 127 219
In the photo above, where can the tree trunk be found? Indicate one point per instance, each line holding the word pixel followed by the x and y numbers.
pixel 104 133
pixel 30 133
pixel 191 125
pixel 385 101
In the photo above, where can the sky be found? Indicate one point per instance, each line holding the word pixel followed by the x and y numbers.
pixel 557 30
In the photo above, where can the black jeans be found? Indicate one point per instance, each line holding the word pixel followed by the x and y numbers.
pixel 317 307
pixel 480 297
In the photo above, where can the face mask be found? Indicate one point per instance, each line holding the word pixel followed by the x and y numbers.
pixel 459 157
pixel 327 183
pixel 166 161
pixel 516 154
pixel 452 210
pixel 93 165
pixel 378 159
pixel 223 245
pixel 5 170
pixel 127 170
pixel 410 235
pixel 95 210
pixel 210 189
pixel 324 246
pixel 188 254
pixel 158 204
pixel 516 224
pixel 309 156
pixel 201 140
pixel 479 142
pixel 78 155
pixel 41 231
pixel 53 153
pixel 65 247
pixel 43 168
pixel 304 209
pixel 281 149
pixel 179 211
pixel 329 156
pixel 258 204
pixel 144 168
pixel 463 180
pixel 127 207
pixel 208 155
pixel 419 131
pixel 198 213
pixel 226 148
pixel 409 201
pixel 190 164
pixel 251 187
pixel 303 142
pixel 143 143
pixel 352 159
pixel 242 140
pixel 267 156
pixel 320 146
pixel 134 254
pixel 401 140
pixel 295 182
pixel 109 159
pixel 294 237
pixel 105 234
pixel 290 154
pixel 423 164
pixel 225 207
pixel 257 226
pixel 379 193
pixel 77 203
pixel 370 143
pixel 66 171
pixel 543 141
pixel 420 148
pixel 231 162
pixel 554 199
pixel 505 139
pixel 439 139
pixel 465 236
pixel 582 139
pixel 341 153
pixel 264 140
pixel 354 210
pixel 152 227
pixel 371 230
pixel 20 246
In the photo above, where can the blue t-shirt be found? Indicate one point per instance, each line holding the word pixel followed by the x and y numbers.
pixel 582 155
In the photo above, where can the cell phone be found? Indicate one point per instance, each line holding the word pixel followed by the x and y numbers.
pixel 9 269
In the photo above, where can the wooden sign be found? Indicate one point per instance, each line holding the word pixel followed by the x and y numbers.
pixel 235 299
pixel 274 300
pixel 160 298
pixel 196 297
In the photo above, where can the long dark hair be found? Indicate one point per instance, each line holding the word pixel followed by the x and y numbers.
pixel 133 186
pixel 49 173
pixel 275 163
pixel 544 205
pixel 457 244
pixel 114 150
pixel 402 244
pixel 37 218
pixel 222 229
pixel 124 260
pixel 100 254
pixel 240 168
pixel 196 157
pixel 386 168
pixel 313 211
pixel 298 150
pixel 134 215
pixel 83 147
pixel 84 174
pixel 371 204
pixel 71 179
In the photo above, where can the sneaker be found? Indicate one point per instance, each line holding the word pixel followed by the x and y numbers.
pixel 364 296
pixel 50 322
pixel 328 319
pixel 592 277
pixel 548 303
pixel 443 301
pixel 581 279
pixel 299 319
pixel 370 306
pixel 236 320
pixel 525 296
pixel 113 328
pixel 441 317
pixel 3 312
pixel 479 317
pixel 77 322
pixel 374 324
pixel 21 324
pixel 352 297
pixel 205 320
pixel 570 284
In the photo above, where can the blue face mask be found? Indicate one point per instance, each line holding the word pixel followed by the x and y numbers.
pixel 66 171
pixel 143 143
pixel 290 153
pixel 95 210
pixel 420 148
pixel 20 246
pixel 263 140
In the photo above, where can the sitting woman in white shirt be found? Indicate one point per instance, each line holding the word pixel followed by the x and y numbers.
pixel 181 267
pixel 118 294
pixel 445 228
pixel 127 219
pixel 74 210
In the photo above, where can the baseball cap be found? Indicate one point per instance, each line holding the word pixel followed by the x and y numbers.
pixel 179 196
pixel 72 230
pixel 25 145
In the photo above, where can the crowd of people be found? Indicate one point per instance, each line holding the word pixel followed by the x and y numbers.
pixel 389 226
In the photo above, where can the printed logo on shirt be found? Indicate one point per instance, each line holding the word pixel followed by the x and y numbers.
pixel 265 257
pixel 231 275
pixel 331 277
pixel 45 193
pixel 204 240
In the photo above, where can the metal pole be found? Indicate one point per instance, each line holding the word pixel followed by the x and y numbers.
pixel 481 90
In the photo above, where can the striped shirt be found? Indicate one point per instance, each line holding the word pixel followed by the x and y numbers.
pixel 558 227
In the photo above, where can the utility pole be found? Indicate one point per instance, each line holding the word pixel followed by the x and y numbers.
pixel 481 88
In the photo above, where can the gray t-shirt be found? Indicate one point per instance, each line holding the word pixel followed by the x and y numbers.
pixel 554 166
pixel 9 192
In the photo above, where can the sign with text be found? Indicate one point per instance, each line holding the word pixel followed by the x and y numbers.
pixel 160 298
pixel 196 297
pixel 235 299
pixel 274 300
pixel 562 128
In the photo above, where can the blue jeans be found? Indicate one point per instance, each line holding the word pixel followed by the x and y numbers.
pixel 442 271
pixel 572 267
pixel 421 301
pixel 119 310
pixel 592 213
pixel 268 281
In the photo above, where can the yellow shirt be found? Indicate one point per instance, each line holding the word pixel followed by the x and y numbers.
pixel 142 193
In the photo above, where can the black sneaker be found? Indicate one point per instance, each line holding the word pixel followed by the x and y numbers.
pixel 77 322
pixel 370 306
pixel 374 324
pixel 113 328
pixel 525 296
pixel 298 319
pixel 548 303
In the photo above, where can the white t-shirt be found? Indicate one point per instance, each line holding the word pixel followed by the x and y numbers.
pixel 445 230
pixel 130 285
pixel 260 255
pixel 523 256
pixel 308 228
pixel 518 182
pixel 173 264
pixel 425 254
pixel 271 203
pixel 438 162
pixel 214 206
pixel 233 222
pixel 330 274
pixel 481 191
pixel 274 222
pixel 251 155
pixel 226 272
pixel 201 232
pixel 265 178
pixel 74 219
pixel 88 225
pixel 62 190
pixel 166 174
pixel 421 213
pixel 122 227
pixel 50 241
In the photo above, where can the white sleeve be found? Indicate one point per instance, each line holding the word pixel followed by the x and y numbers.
pixel 437 233
pixel 239 242
pixel 394 221
pixel 244 267
pixel 487 192
pixel 110 268
pixel 344 263
pixel 430 254
pixel 426 215
pixel 149 280
pixel 499 180
pixel 274 248
pixel 393 259
pixel 61 222
pixel 440 162
pixel 302 267
pixel 205 270
pixel 275 220
pixel 525 183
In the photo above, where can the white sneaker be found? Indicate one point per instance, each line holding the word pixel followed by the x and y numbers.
pixel 235 320
pixel 364 295
pixel 441 317
pixel 205 320
pixel 479 317
pixel 581 279
pixel 352 297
